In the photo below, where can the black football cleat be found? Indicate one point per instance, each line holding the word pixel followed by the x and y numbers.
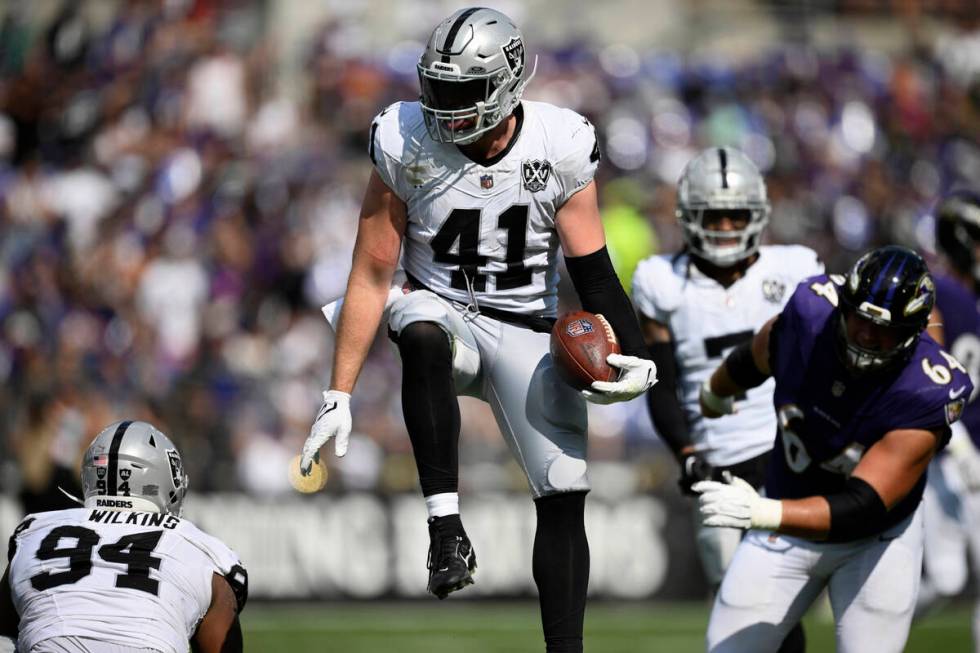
pixel 451 558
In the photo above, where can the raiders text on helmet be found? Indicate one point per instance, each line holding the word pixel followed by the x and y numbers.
pixel 133 466
pixel 472 74
pixel 721 179
pixel 891 287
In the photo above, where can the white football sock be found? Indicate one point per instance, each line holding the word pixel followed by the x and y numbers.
pixel 440 505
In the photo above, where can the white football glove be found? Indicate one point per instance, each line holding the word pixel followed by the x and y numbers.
pixel 638 375
pixel 966 456
pixel 333 421
pixel 736 504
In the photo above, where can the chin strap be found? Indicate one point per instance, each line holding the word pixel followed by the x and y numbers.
pixel 71 496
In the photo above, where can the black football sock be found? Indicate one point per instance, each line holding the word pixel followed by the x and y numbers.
pixel 561 569
pixel 430 406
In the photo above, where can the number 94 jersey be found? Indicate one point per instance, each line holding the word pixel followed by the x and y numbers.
pixel 486 230
pixel 136 579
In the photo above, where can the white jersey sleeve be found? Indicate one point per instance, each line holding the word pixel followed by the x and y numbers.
pixel 386 148
pixel 576 156
pixel 134 579
pixel 656 288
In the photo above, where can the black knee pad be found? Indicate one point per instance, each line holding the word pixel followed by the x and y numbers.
pixel 424 341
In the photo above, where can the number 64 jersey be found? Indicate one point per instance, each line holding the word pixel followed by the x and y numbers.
pixel 486 231
pixel 137 579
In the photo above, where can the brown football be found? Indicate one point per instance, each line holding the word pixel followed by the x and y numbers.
pixel 580 342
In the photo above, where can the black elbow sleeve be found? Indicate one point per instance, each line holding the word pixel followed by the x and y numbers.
pixel 856 511
pixel 600 292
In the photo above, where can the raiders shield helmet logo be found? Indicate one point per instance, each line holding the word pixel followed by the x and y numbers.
pixel 535 174
pixel 514 54
pixel 773 290
pixel 176 468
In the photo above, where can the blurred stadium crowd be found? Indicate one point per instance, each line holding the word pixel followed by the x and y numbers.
pixel 170 223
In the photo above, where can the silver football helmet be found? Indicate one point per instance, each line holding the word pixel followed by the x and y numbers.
pixel 472 74
pixel 722 179
pixel 133 466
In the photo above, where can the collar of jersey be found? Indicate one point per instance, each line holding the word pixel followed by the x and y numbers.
pixel 496 158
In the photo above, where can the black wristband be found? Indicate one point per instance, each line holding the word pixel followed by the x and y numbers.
pixel 742 368
pixel 856 511
pixel 600 292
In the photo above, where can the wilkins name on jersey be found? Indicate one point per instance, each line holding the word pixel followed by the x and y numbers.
pixel 136 579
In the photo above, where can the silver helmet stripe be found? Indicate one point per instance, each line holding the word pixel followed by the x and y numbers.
pixel 113 470
pixel 447 47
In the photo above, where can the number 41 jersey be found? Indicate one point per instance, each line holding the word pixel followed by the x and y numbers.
pixel 136 579
pixel 486 230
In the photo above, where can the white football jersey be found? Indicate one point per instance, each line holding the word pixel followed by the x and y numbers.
pixel 137 579
pixel 486 228
pixel 707 321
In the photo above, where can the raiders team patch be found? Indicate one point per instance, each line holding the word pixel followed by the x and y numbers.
pixel 176 469
pixel 773 290
pixel 578 328
pixel 514 54
pixel 535 174
pixel 954 410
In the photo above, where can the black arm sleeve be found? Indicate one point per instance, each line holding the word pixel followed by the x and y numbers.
pixel 599 291
pixel 665 407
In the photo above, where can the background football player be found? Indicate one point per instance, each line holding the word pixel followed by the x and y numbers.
pixel 124 572
pixel 483 188
pixel 951 503
pixel 864 398
pixel 698 304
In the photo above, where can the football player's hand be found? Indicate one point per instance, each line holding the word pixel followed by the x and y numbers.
pixel 966 456
pixel 736 504
pixel 636 377
pixel 712 405
pixel 332 421
pixel 694 468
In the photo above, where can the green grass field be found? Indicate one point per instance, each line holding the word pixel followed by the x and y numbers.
pixel 475 627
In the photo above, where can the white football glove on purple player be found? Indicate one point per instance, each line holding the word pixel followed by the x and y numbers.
pixel 736 504
pixel 638 375
pixel 333 421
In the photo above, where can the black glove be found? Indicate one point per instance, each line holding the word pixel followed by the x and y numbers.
pixel 694 468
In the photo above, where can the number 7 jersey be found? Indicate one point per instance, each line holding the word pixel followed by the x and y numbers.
pixel 486 230
pixel 136 579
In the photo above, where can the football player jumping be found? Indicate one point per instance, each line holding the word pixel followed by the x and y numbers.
pixel 697 305
pixel 124 572
pixel 951 502
pixel 864 398
pixel 482 188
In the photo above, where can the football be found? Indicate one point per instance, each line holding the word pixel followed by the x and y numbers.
pixel 580 343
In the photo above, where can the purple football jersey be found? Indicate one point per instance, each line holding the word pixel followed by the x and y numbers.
pixel 961 323
pixel 829 418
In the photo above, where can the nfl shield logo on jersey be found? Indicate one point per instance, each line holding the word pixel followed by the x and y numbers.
pixel 486 182
pixel 579 328
pixel 535 173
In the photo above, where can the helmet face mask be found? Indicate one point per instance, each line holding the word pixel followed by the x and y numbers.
pixel 471 75
pixel 885 302
pixel 132 465
pixel 722 181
